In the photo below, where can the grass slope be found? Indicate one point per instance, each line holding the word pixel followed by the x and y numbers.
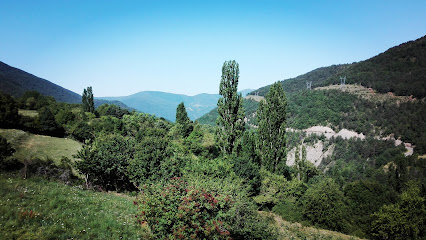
pixel 290 230
pixel 29 146
pixel 39 209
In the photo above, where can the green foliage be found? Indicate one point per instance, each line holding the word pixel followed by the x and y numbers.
pixel 271 116
pixel 399 70
pixel 324 205
pixel 404 220
pixel 318 77
pixel 112 110
pixel 305 170
pixel 48 123
pixel 34 100
pixel 181 114
pixel 182 120
pixel 194 141
pixel 230 122
pixel 8 111
pixel 270 190
pixel 150 151
pixel 177 210
pixel 249 148
pixel 81 131
pixel 6 150
pixel 249 172
pixel 65 116
pixel 105 161
pixel 87 100
pixel 366 197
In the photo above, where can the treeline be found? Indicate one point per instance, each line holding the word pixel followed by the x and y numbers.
pixel 48 117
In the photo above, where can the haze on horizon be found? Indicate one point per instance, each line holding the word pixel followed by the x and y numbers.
pixel 180 46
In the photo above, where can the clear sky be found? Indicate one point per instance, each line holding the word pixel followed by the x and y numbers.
pixel 123 47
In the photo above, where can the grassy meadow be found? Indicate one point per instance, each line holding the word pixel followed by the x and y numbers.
pixel 31 146
pixel 36 208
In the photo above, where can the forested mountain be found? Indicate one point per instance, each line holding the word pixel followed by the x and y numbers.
pixel 400 70
pixel 16 82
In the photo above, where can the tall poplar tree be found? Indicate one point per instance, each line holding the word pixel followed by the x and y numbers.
pixel 230 122
pixel 88 101
pixel 271 116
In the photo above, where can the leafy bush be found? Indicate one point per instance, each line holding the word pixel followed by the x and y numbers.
pixel 323 204
pixel 404 220
pixel 176 210
pixel 105 161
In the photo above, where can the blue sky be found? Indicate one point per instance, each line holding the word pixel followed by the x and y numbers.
pixel 123 47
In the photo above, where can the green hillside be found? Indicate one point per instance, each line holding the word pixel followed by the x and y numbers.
pixel 16 82
pixel 400 70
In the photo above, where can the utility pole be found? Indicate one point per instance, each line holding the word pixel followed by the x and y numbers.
pixel 342 81
pixel 309 85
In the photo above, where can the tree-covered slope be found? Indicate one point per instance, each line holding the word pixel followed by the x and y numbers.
pixel 16 82
pixel 339 109
pixel 400 70
pixel 318 77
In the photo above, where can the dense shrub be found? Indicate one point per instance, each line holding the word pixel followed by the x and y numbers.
pixel 177 210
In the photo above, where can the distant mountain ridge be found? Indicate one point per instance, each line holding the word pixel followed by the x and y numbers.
pixel 16 82
pixel 164 104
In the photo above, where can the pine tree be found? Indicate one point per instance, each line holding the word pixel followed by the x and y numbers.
pixel 230 122
pixel 272 123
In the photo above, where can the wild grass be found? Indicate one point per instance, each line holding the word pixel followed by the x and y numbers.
pixel 290 231
pixel 32 146
pixel 39 209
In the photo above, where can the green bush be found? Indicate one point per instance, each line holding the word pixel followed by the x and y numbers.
pixel 176 210
pixel 323 205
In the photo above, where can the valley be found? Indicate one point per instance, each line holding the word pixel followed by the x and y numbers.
pixel 284 162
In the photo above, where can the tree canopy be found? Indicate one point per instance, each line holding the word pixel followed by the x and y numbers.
pixel 230 122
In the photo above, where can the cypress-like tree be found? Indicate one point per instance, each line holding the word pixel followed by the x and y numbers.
pixel 181 114
pixel 230 122
pixel 88 101
pixel 271 116
pixel 183 120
